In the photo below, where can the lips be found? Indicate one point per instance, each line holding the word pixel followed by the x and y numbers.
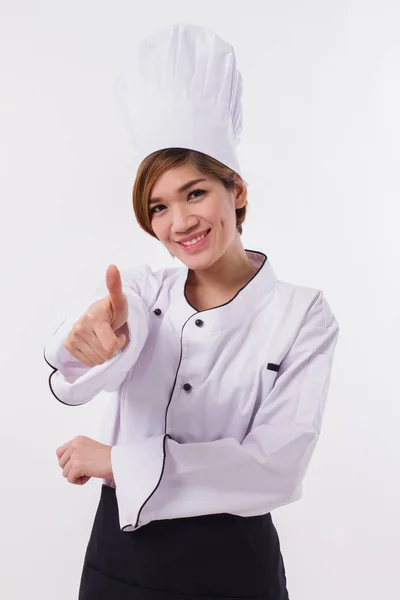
pixel 196 246
pixel 193 237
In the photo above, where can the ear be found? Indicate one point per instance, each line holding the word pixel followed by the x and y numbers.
pixel 240 191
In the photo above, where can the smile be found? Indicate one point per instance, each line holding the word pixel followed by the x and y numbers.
pixel 195 242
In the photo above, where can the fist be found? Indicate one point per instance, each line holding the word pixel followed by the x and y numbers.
pixel 83 458
pixel 102 330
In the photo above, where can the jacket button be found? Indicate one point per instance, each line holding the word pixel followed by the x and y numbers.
pixel 199 323
pixel 187 387
pixel 157 312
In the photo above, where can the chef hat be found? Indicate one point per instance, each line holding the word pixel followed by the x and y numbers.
pixel 180 88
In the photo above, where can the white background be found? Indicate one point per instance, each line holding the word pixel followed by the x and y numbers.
pixel 320 149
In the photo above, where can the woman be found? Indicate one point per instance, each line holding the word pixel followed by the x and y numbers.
pixel 220 373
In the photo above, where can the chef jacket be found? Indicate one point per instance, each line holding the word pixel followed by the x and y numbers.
pixel 212 411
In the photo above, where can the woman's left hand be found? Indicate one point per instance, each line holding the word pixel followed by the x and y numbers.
pixel 83 458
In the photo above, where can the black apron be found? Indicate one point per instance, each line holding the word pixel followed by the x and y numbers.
pixel 208 557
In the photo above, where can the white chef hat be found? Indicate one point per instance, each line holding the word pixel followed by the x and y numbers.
pixel 180 88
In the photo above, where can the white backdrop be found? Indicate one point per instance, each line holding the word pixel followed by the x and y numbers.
pixel 320 149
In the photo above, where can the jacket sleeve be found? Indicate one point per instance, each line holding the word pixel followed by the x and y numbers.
pixel 75 383
pixel 246 478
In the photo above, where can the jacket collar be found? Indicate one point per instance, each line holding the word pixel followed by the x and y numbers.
pixel 239 308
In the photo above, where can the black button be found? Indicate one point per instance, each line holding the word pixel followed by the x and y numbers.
pixel 187 387
pixel 199 323
pixel 157 312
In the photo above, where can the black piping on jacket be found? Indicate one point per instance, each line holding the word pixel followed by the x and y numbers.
pixel 165 431
pixel 51 387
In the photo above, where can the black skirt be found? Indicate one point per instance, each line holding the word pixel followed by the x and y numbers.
pixel 209 557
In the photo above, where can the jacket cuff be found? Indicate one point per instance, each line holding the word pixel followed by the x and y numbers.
pixel 137 471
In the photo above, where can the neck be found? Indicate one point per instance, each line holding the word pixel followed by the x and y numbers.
pixel 233 269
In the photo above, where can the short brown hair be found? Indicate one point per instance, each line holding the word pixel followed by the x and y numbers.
pixel 160 161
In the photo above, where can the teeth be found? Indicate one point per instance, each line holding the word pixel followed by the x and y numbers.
pixel 194 240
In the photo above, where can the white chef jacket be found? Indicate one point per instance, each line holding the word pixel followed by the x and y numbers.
pixel 213 411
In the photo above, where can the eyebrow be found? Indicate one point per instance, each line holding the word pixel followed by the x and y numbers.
pixel 179 190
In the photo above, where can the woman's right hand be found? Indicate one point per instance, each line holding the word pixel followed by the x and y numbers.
pixel 102 329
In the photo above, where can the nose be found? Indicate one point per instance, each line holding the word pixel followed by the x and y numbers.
pixel 182 219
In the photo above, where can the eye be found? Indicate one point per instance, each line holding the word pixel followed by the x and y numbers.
pixel 195 192
pixel 153 209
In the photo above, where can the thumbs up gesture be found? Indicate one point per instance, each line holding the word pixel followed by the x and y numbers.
pixel 102 330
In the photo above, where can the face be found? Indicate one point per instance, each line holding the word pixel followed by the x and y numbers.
pixel 193 215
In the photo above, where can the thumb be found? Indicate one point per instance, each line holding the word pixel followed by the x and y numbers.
pixel 114 286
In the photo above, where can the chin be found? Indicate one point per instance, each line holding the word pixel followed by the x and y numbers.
pixel 198 263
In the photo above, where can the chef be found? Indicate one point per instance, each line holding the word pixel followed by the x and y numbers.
pixel 219 371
